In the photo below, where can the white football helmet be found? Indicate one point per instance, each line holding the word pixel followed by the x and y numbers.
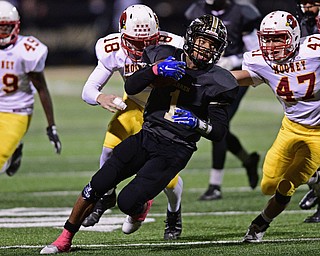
pixel 9 23
pixel 279 26
pixel 139 27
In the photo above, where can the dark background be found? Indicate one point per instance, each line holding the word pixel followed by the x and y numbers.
pixel 70 28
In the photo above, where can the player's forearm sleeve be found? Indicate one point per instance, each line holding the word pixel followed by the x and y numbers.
pixel 217 127
pixel 139 80
pixel 96 81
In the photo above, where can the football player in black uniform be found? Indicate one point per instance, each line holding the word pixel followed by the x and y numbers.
pixel 242 22
pixel 189 100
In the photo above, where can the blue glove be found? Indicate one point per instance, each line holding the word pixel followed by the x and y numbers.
pixel 185 117
pixel 171 68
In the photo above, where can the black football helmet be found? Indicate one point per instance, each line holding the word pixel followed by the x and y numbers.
pixel 209 28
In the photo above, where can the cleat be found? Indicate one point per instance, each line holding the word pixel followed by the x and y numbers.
pixel 314 178
pixel 309 200
pixel 251 166
pixel 173 227
pixel 213 193
pixel 61 244
pixel 133 223
pixel 15 161
pixel 105 203
pixel 315 218
pixel 53 249
pixel 50 249
pixel 255 233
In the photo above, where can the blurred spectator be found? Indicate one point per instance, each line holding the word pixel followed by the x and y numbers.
pixel 171 14
pixel 267 6
pixel 310 11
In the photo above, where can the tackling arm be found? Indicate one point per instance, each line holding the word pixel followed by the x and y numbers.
pixel 243 77
pixel 92 94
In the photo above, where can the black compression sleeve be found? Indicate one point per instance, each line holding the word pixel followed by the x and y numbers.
pixel 139 80
pixel 218 124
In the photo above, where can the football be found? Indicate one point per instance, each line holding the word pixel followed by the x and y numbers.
pixel 161 81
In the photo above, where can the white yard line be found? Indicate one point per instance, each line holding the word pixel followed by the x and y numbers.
pixel 171 243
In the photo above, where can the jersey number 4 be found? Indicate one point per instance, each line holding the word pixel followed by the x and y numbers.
pixel 283 88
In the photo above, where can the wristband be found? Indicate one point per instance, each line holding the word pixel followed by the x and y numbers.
pixel 204 126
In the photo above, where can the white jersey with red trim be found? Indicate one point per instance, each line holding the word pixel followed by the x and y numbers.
pixel 27 55
pixel 111 58
pixel 295 83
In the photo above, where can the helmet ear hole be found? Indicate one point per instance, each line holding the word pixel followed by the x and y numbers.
pixel 209 28
pixel 139 27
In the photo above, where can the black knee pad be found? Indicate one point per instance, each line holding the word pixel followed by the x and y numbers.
pixel 281 199
pixel 129 205
pixel 89 194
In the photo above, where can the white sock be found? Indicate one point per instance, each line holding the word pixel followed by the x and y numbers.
pixel 174 196
pixel 216 177
pixel 105 155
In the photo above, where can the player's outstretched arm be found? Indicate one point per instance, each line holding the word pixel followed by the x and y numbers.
pixel 243 77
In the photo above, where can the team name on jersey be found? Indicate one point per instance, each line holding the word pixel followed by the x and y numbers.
pixel 129 69
pixel 289 67
pixel 6 64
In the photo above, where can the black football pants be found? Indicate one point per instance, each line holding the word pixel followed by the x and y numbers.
pixel 154 160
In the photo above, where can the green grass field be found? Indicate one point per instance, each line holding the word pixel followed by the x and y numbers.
pixel 36 201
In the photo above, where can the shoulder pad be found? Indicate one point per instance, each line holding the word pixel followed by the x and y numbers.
pixel 154 53
pixel 108 45
pixel 31 47
pixel 167 38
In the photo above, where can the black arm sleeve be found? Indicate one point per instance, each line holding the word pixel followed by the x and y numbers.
pixel 218 119
pixel 139 80
pixel 218 116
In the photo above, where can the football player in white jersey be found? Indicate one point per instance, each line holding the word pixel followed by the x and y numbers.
pixel 122 52
pixel 22 61
pixel 310 25
pixel 291 68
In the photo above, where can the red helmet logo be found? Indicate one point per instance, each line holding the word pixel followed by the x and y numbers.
pixel 291 21
pixel 123 20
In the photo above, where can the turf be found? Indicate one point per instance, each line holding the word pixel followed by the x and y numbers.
pixel 46 186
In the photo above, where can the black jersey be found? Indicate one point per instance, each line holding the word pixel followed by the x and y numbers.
pixel 205 93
